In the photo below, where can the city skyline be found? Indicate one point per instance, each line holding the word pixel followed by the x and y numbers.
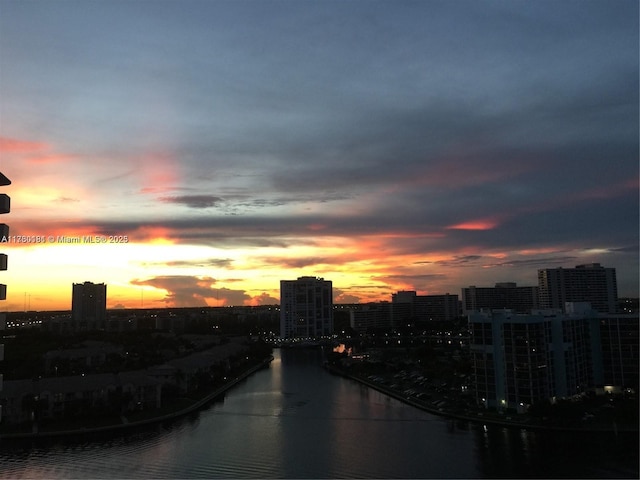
pixel 387 146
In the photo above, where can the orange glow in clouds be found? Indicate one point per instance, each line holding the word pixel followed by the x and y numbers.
pixel 11 145
pixel 475 225
pixel 158 172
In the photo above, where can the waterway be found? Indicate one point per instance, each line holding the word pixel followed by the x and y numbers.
pixel 295 420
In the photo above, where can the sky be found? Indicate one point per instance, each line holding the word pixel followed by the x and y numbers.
pixel 213 148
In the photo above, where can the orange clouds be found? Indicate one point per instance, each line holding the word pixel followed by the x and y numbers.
pixel 12 145
pixel 48 229
pixel 189 291
pixel 158 172
pixel 31 151
pixel 475 225
pixel 316 227
pixel 151 234
pixel 263 299
pixel 38 180
pixel 536 251
pixel 606 191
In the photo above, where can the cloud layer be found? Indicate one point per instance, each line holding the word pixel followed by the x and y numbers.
pixel 385 145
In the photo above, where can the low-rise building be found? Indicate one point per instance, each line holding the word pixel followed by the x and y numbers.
pixel 59 397
pixel 64 397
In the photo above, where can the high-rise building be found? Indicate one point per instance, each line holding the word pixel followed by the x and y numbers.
pixel 500 381
pixel 409 307
pixel 591 283
pixel 5 207
pixel 504 295
pixel 519 359
pixel 620 340
pixel 89 306
pixel 306 308
pixel 402 307
pixel 370 317
pixel 436 307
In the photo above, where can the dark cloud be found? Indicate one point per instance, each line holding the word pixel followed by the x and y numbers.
pixel 227 296
pixel 342 296
pixel 264 299
pixel 182 291
pixel 194 201
pixel 206 263
pixel 539 262
pixel 413 277
pixel 303 262
pixel 539 224
pixel 627 249
pixel 460 261
pixel 186 291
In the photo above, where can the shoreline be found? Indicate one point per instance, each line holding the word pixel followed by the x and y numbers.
pixel 480 419
pixel 196 405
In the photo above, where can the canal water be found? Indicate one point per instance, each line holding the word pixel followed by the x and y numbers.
pixel 295 420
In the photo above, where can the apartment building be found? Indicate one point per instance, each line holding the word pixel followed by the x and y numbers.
pixel 306 308
pixel 370 317
pixel 519 359
pixel 409 307
pixel 89 306
pixel 591 283
pixel 503 295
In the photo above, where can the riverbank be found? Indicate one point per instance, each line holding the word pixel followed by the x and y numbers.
pixel 182 408
pixel 482 417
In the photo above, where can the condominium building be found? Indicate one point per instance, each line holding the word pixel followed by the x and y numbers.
pixel 436 307
pixel 591 283
pixel 620 340
pixel 89 306
pixel 403 307
pixel 520 359
pixel 306 308
pixel 370 317
pixel 504 295
pixel 409 307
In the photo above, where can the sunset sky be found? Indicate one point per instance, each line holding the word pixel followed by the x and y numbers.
pixel 384 145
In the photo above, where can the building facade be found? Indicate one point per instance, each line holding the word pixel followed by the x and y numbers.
pixel 80 395
pixel 620 340
pixel 503 295
pixel 430 308
pixel 408 307
pixel 89 306
pixel 591 283
pixel 403 307
pixel 520 359
pixel 306 308
pixel 370 317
